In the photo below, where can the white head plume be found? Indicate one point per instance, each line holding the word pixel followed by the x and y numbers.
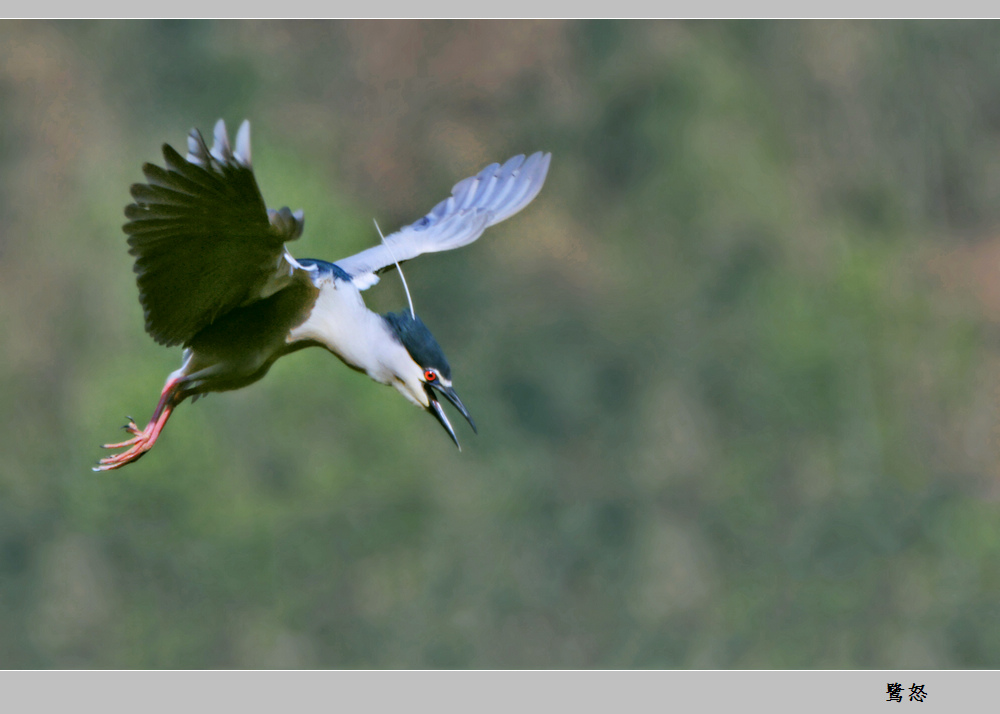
pixel 406 288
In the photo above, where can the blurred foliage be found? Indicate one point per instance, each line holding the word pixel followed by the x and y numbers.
pixel 734 369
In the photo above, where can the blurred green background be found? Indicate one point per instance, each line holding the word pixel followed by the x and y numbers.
pixel 735 369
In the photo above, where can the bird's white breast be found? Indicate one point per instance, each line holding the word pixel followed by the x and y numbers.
pixel 343 324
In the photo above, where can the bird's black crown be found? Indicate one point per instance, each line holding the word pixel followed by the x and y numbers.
pixel 418 341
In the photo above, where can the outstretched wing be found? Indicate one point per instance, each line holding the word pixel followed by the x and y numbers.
pixel 203 240
pixel 495 193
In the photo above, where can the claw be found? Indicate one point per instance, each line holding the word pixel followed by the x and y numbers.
pixel 116 461
pixel 143 439
pixel 136 446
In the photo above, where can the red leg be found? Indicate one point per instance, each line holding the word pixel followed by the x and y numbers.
pixel 142 441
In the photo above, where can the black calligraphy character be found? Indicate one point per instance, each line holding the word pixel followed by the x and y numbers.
pixel 917 693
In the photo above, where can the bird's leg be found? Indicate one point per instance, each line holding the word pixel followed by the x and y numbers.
pixel 143 440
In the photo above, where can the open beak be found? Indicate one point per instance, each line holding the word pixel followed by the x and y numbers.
pixel 438 412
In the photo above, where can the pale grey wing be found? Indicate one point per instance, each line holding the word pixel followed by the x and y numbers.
pixel 203 240
pixel 476 203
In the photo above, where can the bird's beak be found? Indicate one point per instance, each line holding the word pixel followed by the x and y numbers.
pixel 435 408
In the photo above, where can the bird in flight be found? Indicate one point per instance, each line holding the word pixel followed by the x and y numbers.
pixel 214 276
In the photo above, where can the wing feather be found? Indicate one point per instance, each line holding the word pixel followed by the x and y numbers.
pixel 202 237
pixel 476 203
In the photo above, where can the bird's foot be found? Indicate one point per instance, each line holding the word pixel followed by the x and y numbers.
pixel 141 442
pixel 143 439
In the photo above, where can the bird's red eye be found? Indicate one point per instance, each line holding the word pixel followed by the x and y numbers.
pixel 430 375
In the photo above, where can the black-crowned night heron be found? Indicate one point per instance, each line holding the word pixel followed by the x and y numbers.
pixel 214 276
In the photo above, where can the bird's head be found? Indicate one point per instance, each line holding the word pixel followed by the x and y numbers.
pixel 430 373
